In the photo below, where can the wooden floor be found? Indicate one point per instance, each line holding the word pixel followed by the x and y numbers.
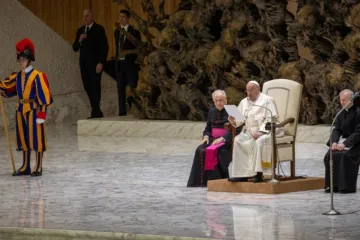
pixel 266 187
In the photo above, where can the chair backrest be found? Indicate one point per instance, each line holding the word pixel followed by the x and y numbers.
pixel 287 95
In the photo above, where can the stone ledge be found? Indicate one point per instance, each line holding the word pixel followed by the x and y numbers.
pixel 53 234
pixel 132 127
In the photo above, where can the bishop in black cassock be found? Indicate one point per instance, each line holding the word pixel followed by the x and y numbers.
pixel 346 149
pixel 217 117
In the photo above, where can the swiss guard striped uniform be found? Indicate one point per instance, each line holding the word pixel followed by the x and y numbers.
pixel 32 88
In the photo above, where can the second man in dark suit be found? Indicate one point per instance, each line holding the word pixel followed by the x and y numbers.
pixel 127 69
pixel 92 42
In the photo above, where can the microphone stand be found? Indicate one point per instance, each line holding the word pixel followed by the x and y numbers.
pixel 272 133
pixel 332 211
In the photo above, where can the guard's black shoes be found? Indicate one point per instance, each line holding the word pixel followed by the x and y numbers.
pixel 36 174
pixel 21 173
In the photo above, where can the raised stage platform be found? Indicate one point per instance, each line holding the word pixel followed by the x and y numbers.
pixel 266 187
pixel 133 127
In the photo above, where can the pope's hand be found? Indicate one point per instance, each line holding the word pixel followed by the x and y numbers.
pixel 232 120
pixel 257 135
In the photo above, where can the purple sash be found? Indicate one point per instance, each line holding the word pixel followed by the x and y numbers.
pixel 211 152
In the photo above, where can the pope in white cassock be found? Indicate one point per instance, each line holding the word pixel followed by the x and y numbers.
pixel 252 151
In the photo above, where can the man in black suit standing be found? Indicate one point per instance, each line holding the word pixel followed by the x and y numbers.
pixel 92 42
pixel 127 70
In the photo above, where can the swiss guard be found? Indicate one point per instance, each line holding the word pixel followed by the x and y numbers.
pixel 32 89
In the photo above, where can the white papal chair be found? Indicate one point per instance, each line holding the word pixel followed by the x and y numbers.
pixel 287 95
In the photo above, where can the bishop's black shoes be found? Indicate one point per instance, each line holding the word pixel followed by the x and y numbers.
pixel 347 191
pixel 336 190
pixel 328 190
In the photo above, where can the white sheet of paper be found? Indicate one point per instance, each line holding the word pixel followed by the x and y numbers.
pixel 233 111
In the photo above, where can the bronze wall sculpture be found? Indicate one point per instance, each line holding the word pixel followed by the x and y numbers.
pixel 211 44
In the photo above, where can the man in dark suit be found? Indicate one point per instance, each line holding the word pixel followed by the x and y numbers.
pixel 92 42
pixel 127 70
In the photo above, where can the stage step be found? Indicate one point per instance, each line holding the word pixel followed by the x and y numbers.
pixel 132 127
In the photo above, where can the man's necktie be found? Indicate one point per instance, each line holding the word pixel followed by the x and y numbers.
pixel 86 29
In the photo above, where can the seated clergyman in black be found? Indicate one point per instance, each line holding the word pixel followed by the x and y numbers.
pixel 213 156
pixel 345 147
